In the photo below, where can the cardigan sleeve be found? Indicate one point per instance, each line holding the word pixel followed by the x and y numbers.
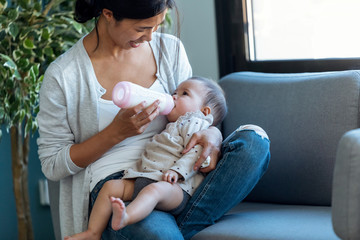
pixel 55 135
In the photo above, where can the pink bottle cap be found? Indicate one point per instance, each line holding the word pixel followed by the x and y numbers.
pixel 169 106
pixel 121 94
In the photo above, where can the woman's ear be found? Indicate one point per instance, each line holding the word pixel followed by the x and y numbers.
pixel 108 14
pixel 206 110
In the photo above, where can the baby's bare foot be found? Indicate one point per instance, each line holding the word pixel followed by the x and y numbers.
pixel 87 235
pixel 119 217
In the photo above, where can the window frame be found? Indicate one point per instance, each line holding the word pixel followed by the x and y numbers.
pixel 233 47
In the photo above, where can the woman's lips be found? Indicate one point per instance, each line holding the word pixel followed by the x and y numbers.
pixel 134 44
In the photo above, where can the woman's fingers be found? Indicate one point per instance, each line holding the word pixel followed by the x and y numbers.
pixel 209 150
pixel 148 114
pixel 133 121
pixel 210 139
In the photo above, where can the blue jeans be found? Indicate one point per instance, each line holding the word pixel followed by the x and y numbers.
pixel 245 158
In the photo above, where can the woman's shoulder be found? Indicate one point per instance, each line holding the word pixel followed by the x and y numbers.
pixel 67 59
pixel 70 69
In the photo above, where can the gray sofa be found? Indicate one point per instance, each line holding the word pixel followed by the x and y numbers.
pixel 305 116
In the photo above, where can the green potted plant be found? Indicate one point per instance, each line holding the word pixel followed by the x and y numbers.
pixel 32 34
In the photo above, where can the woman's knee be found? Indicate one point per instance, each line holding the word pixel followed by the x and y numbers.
pixel 246 147
pixel 248 138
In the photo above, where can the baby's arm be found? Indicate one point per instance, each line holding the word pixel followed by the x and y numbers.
pixel 184 166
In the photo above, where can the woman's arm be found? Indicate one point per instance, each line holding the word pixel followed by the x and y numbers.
pixel 127 123
pixel 60 151
pixel 210 139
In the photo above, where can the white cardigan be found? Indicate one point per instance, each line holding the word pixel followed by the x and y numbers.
pixel 69 114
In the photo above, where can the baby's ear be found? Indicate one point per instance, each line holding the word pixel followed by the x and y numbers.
pixel 206 110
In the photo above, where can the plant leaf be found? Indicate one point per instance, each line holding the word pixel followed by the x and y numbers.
pixel 13 14
pixel 78 27
pixel 9 62
pixel 3 5
pixel 23 63
pixel 37 6
pixel 2 35
pixel 11 65
pixel 48 51
pixel 17 54
pixel 45 34
pixel 36 69
pixel 13 29
pixel 2 112
pixel 29 44
pixel 32 75
pixel 2 18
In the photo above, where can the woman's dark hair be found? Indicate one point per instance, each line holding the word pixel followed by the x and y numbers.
pixel 214 98
pixel 133 9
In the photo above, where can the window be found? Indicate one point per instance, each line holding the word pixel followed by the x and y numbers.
pixel 288 35
pixel 303 29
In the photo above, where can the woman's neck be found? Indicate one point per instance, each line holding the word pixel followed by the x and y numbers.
pixel 98 43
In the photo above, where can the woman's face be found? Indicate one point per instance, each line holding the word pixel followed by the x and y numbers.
pixel 131 33
pixel 188 97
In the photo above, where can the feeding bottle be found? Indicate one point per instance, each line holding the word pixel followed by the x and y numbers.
pixel 127 94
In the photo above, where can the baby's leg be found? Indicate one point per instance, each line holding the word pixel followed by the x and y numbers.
pixel 102 209
pixel 160 195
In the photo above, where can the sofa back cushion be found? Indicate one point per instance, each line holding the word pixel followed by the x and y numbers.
pixel 305 115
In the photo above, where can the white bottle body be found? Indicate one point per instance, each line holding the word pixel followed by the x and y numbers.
pixel 127 94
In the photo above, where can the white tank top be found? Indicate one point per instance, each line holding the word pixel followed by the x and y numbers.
pixel 126 153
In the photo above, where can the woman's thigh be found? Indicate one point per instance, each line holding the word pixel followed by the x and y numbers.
pixel 245 157
pixel 157 226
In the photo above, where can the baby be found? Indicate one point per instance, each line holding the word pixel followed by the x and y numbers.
pixel 165 179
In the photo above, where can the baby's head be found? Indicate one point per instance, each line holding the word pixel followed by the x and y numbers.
pixel 198 93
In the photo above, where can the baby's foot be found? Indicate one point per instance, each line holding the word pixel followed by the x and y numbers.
pixel 87 235
pixel 119 217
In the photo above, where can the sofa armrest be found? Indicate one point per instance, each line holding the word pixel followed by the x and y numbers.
pixel 346 187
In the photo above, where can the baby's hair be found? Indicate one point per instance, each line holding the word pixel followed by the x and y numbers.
pixel 214 98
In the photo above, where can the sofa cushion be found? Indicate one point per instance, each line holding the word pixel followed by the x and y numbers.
pixel 305 116
pixel 255 221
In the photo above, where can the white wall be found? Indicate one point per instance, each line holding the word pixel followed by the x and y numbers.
pixel 198 34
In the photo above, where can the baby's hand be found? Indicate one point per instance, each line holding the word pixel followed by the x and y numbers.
pixel 170 176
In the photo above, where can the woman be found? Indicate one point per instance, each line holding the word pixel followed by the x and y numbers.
pixel 85 140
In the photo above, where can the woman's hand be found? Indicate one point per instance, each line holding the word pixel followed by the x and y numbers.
pixel 170 176
pixel 127 123
pixel 210 139
pixel 133 121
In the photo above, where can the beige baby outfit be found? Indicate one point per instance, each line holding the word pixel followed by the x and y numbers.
pixel 164 152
